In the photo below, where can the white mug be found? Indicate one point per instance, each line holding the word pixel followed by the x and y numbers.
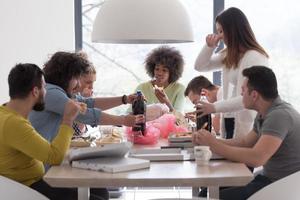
pixel 202 155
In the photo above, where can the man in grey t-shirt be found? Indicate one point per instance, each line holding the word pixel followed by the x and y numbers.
pixel 283 122
pixel 274 141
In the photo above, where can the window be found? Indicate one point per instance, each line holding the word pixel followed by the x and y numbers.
pixel 276 27
pixel 120 67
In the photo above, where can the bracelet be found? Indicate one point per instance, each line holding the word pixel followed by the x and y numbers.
pixel 124 99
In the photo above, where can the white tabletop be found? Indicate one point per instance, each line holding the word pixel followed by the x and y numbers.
pixel 160 174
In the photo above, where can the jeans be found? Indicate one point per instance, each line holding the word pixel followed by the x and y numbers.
pixel 229 127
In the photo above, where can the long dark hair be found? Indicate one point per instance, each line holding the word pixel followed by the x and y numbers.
pixel 238 36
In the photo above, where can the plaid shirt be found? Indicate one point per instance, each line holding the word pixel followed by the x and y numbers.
pixel 77 131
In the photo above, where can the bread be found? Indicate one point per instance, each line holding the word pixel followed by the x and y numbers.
pixel 108 140
pixel 79 142
pixel 114 137
pixel 183 134
pixel 158 88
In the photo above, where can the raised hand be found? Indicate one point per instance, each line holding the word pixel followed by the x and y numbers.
pixel 205 108
pixel 212 40
pixel 71 111
pixel 130 98
pixel 163 98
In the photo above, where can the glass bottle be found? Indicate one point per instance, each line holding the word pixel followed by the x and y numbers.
pixel 139 108
pixel 204 119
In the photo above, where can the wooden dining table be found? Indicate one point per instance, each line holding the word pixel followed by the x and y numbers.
pixel 218 173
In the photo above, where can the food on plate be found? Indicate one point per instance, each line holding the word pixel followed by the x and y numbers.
pixel 180 119
pixel 80 142
pixel 114 137
pixel 183 134
pixel 116 134
pixel 108 140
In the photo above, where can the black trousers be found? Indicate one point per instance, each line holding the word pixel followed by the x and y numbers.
pixel 241 193
pixel 229 127
pixel 67 193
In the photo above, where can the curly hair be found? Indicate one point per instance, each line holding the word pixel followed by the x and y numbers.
pixel 167 56
pixel 91 69
pixel 63 66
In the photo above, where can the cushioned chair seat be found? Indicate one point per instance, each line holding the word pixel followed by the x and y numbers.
pixel 12 190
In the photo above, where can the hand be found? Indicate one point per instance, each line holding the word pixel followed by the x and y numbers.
pixel 191 116
pixel 131 120
pixel 205 108
pixel 130 98
pixel 161 96
pixel 71 111
pixel 82 106
pixel 203 137
pixel 87 92
pixel 212 40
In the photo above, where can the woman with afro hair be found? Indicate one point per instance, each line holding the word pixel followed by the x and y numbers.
pixel 164 65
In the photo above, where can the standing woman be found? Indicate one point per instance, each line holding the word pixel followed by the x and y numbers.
pixel 164 65
pixel 241 51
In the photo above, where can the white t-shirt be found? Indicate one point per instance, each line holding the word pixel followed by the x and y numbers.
pixel 232 80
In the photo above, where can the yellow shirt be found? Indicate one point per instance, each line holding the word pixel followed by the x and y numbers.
pixel 23 151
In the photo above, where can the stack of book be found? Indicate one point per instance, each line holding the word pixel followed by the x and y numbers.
pixel 170 154
pixel 107 158
pixel 180 140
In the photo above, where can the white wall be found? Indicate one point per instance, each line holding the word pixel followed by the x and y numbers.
pixel 31 30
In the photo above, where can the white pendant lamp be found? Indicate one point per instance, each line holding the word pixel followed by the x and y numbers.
pixel 142 22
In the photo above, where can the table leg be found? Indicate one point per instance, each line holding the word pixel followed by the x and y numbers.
pixel 195 191
pixel 83 193
pixel 213 192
